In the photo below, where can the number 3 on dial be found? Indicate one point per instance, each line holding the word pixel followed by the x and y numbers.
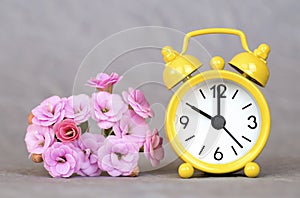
pixel 254 123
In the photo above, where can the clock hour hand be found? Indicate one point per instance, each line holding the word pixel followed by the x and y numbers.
pixel 199 111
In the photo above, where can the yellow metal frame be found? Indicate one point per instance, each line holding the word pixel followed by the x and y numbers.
pixel 218 168
pixel 215 31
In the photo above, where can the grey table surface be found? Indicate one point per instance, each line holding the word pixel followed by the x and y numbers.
pixel 42 45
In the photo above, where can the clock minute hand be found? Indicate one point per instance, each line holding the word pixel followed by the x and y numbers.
pixel 199 111
pixel 220 94
pixel 218 101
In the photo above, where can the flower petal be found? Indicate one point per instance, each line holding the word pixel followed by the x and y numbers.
pixel 62 168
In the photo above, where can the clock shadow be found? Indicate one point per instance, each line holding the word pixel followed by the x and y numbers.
pixel 199 174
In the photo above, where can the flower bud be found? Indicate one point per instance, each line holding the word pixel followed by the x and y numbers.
pixel 37 158
pixel 30 116
pixel 135 172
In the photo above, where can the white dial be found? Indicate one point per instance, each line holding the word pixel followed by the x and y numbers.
pixel 218 121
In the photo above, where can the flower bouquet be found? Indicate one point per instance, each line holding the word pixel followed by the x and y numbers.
pixel 59 134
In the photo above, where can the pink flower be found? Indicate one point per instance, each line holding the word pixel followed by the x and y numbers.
pixel 103 80
pixel 60 160
pixel 50 111
pixel 132 127
pixel 107 109
pixel 153 149
pixel 117 156
pixel 87 147
pixel 38 138
pixel 136 99
pixel 78 108
pixel 66 130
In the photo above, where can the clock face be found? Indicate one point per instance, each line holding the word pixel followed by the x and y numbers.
pixel 218 121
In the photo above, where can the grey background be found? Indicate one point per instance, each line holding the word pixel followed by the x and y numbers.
pixel 43 43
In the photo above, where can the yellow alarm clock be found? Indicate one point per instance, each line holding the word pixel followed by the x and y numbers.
pixel 217 121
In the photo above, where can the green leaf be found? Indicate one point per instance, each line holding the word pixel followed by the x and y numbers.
pixel 84 127
pixel 107 132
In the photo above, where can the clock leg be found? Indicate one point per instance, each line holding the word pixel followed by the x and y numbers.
pixel 186 170
pixel 251 169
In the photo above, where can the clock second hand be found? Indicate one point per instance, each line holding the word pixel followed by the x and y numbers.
pixel 232 137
